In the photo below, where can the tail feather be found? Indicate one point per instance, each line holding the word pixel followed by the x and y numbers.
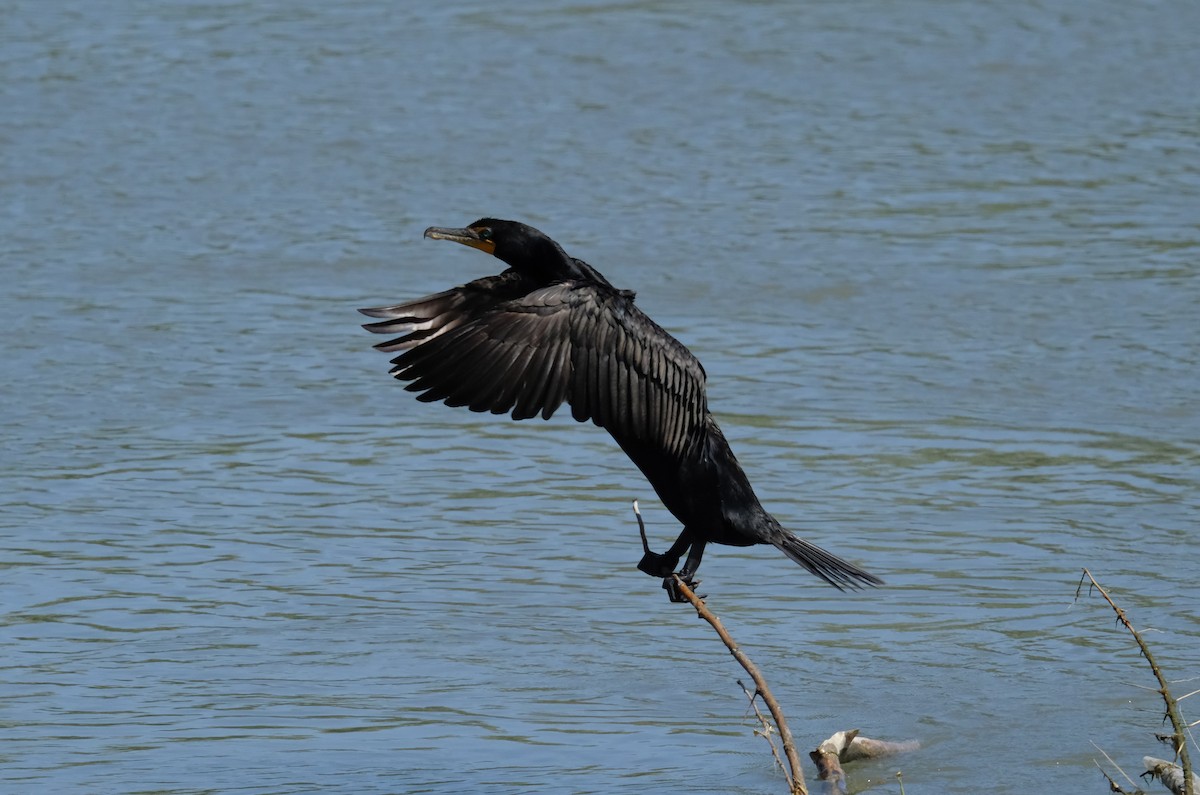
pixel 829 567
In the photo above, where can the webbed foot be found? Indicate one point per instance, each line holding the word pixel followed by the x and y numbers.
pixel 657 565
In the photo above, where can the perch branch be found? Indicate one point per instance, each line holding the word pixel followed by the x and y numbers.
pixel 796 778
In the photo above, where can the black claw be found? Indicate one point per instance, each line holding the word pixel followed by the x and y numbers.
pixel 673 592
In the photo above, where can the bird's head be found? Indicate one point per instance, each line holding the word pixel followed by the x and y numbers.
pixel 521 247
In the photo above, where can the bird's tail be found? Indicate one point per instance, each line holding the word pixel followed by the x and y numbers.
pixel 829 567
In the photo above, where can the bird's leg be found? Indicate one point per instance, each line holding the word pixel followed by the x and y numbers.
pixel 686 573
pixel 663 565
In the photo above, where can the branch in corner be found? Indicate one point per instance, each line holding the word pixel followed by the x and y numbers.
pixel 1180 779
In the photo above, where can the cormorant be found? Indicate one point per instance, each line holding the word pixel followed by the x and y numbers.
pixel 550 329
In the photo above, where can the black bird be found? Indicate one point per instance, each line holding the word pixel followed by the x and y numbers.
pixel 551 329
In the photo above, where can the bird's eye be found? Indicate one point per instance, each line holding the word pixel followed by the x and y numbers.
pixel 485 234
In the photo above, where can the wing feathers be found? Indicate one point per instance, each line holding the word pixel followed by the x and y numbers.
pixel 503 345
pixel 556 389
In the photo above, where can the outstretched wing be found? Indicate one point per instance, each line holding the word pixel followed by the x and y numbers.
pixel 630 376
pixel 502 344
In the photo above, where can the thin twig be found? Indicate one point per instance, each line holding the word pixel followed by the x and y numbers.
pixel 767 731
pixel 1113 786
pixel 1180 737
pixel 1111 761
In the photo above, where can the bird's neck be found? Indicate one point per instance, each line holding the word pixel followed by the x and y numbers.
pixel 552 264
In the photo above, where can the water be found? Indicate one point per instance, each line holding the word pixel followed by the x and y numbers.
pixel 939 261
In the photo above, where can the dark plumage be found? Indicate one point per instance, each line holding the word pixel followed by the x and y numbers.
pixel 551 329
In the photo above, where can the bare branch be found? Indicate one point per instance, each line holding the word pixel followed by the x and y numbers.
pixel 1179 739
